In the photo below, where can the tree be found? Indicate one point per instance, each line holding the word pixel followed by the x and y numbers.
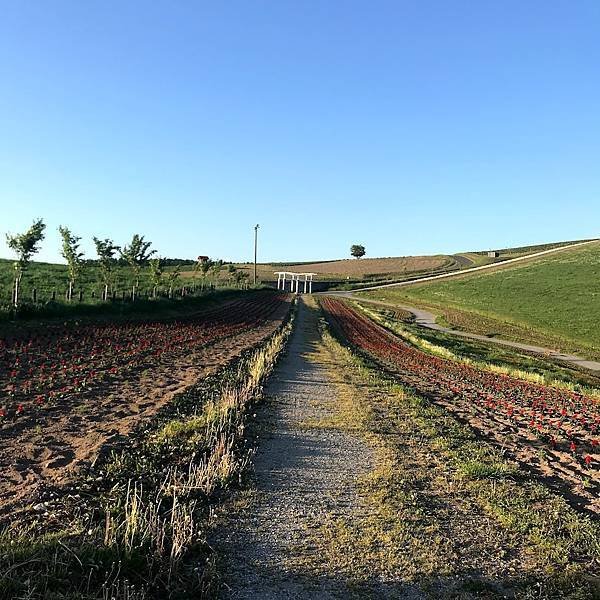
pixel 156 274
pixel 206 266
pixel 172 278
pixel 106 249
pixel 216 267
pixel 136 255
pixel 357 250
pixel 70 252
pixel 241 277
pixel 25 245
pixel 231 271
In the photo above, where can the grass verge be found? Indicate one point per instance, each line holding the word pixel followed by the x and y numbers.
pixel 501 360
pixel 550 301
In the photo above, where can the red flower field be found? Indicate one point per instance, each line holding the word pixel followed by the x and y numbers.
pixel 553 431
pixel 68 389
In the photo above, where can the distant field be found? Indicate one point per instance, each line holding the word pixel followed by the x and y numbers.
pixel 359 269
pixel 554 299
pixel 49 277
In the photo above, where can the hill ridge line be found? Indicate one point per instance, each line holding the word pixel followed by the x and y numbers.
pixel 466 271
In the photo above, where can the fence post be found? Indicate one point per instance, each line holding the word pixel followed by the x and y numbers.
pixel 80 295
pixel 34 295
pixel 53 295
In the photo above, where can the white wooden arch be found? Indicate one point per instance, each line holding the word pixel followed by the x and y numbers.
pixel 295 279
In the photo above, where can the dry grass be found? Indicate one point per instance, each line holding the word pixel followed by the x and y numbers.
pixel 137 528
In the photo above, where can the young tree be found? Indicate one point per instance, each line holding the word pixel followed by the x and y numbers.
pixel 156 274
pixel 357 250
pixel 172 278
pixel 206 266
pixel 106 249
pixel 136 255
pixel 70 252
pixel 231 271
pixel 216 267
pixel 25 245
pixel 241 277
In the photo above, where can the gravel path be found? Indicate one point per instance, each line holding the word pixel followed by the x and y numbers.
pixel 303 474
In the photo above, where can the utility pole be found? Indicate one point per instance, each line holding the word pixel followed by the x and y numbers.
pixel 255 245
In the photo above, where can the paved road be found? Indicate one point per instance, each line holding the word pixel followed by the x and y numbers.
pixel 426 319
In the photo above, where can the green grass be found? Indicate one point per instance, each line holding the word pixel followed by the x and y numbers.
pixel 49 278
pixel 555 297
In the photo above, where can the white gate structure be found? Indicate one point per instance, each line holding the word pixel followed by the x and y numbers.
pixel 295 279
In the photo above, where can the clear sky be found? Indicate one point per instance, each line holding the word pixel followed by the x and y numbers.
pixel 408 126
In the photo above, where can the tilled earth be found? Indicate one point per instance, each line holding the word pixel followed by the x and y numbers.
pixel 68 435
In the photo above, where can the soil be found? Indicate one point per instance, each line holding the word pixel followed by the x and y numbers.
pixel 70 434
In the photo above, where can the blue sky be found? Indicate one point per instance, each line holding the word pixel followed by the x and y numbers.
pixel 408 126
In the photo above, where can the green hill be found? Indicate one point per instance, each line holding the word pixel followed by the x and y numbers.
pixel 553 300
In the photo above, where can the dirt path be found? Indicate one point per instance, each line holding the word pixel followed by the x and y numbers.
pixel 304 475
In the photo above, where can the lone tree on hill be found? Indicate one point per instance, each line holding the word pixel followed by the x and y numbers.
pixel 357 250
pixel 70 252
pixel 25 245
pixel 106 249
pixel 136 255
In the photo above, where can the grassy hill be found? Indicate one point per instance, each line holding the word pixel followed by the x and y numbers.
pixel 553 300
pixel 359 270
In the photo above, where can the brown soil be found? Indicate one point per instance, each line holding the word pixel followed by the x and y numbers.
pixel 70 435
pixel 376 266
pixel 557 469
